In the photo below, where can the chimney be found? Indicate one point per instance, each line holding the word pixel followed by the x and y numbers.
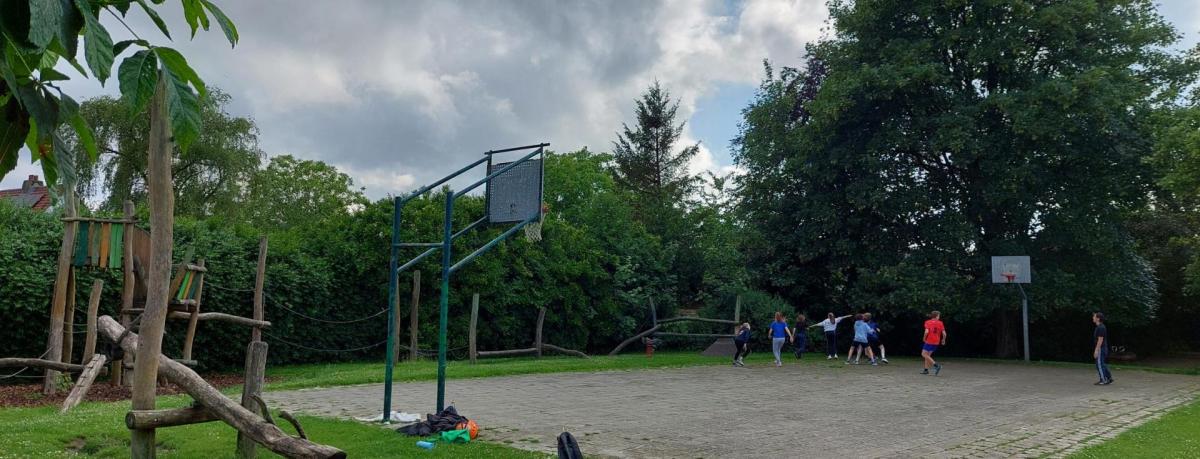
pixel 31 183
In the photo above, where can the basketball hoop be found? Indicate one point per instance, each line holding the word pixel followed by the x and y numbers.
pixel 1010 276
pixel 533 231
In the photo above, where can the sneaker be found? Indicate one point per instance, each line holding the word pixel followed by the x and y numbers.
pixel 883 360
pixel 925 371
pixel 874 364
pixel 1098 383
pixel 856 361
pixel 1105 383
pixel 829 357
pixel 835 356
pixel 735 364
pixel 937 368
pixel 847 362
pixel 779 364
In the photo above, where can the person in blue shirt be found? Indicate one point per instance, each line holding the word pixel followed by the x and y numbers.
pixel 861 329
pixel 778 334
pixel 741 343
pixel 873 337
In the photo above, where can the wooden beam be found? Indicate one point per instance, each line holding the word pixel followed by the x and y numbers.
pixel 221 406
pixel 256 369
pixel 531 350
pixel 698 335
pixel 93 368
pixel 68 348
pixel 473 351
pixel 221 317
pixel 737 310
pixel 154 419
pixel 194 318
pixel 537 343
pixel 89 345
pixel 565 350
pixel 696 319
pixel 260 276
pixel 129 282
pixel 58 305
pixel 49 365
pixel 617 350
pixel 162 222
pixel 412 316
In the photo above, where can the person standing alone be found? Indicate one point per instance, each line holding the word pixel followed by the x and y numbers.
pixel 935 335
pixel 741 343
pixel 779 333
pixel 1100 351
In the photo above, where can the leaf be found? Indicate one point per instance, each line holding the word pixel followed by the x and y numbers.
pixel 122 6
pixel 44 21
pixel 175 61
pixel 64 160
pixel 137 76
pixel 14 128
pixel 122 45
pixel 226 24
pixel 98 46
pixel 49 74
pixel 68 31
pixel 69 111
pixel 158 20
pixel 194 13
pixel 15 21
pixel 183 108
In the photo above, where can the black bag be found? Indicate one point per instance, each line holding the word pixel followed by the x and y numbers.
pixel 448 419
pixel 568 448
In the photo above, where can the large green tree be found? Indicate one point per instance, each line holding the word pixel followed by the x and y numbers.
pixel 293 192
pixel 210 177
pixel 947 132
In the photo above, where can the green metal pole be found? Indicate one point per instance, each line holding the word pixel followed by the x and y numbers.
pixel 392 285
pixel 444 306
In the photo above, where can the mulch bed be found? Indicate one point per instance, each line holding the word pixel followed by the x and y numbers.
pixel 30 395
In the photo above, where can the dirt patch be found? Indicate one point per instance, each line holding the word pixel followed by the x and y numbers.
pixel 29 395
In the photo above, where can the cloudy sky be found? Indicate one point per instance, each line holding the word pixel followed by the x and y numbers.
pixel 398 93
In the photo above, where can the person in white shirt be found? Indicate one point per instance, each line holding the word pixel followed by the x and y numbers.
pixel 830 326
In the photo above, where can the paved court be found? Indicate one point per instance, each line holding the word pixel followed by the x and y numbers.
pixel 813 410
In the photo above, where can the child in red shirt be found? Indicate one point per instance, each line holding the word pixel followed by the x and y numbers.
pixel 935 335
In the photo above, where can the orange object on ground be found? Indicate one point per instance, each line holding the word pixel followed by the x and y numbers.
pixel 470 426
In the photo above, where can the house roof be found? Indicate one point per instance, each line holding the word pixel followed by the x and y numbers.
pixel 33 194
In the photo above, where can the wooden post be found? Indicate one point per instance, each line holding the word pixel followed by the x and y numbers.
pixel 538 342
pixel 194 318
pixel 653 314
pixel 89 346
pixel 68 350
pixel 127 286
pixel 412 316
pixel 158 279
pixel 153 419
pixel 59 304
pixel 256 368
pixel 473 351
pixel 259 278
pixel 737 312
pixel 396 326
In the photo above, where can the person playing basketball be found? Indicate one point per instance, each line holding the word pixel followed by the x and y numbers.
pixel 935 335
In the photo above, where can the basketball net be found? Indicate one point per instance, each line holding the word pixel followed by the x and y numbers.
pixel 1011 276
pixel 533 231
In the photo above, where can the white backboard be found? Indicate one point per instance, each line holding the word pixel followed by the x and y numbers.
pixel 1014 270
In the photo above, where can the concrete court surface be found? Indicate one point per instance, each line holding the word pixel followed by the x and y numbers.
pixel 816 409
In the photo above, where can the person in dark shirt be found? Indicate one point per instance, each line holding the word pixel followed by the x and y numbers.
pixel 741 343
pixel 1100 349
pixel 800 335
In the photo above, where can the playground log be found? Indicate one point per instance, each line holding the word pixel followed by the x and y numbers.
pixel 155 419
pixel 8 362
pixel 617 350
pixel 221 406
pixel 222 317
pixel 564 350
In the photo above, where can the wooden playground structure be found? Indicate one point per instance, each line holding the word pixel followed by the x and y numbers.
pixel 656 325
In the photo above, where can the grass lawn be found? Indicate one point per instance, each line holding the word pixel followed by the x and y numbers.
pixel 341 374
pixel 98 430
pixel 1175 434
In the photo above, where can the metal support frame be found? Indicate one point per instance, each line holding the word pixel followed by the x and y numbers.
pixel 1025 320
pixel 448 269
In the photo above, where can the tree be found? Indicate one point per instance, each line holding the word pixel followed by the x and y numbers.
pixel 647 164
pixel 292 192
pixel 210 177
pixel 38 34
pixel 945 133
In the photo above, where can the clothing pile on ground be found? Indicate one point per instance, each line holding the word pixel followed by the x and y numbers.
pixel 447 420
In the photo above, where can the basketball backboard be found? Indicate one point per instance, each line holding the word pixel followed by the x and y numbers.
pixel 1011 270
pixel 515 195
